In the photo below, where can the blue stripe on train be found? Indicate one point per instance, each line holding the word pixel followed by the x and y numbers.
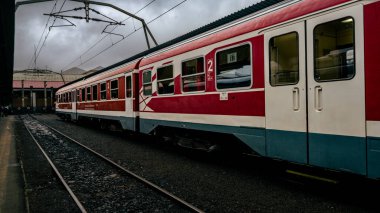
pixel 373 154
pixel 286 145
pixel 344 153
pixel 354 154
pixel 252 137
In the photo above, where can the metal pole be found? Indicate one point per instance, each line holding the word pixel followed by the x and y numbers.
pixel 51 97
pixel 22 94
pixel 31 97
pixel 45 95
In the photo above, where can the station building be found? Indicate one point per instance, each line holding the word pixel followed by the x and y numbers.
pixel 33 90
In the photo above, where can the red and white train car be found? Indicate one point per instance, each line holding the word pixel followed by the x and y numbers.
pixel 296 81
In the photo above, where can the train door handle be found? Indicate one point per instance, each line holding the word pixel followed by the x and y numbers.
pixel 296 98
pixel 318 98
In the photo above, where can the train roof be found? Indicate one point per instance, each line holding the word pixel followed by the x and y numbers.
pixel 213 25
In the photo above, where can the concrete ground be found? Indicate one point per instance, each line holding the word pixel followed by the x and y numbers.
pixel 11 181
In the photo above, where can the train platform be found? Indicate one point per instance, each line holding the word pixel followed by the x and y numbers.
pixel 11 179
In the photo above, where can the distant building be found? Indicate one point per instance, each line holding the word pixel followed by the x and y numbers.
pixel 34 89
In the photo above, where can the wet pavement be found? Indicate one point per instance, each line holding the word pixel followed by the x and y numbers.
pixel 11 178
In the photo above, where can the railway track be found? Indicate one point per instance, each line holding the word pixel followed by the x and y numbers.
pixel 95 183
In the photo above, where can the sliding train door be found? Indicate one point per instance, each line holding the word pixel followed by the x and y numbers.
pixel 285 93
pixel 73 113
pixel 129 112
pixel 336 98
pixel 314 91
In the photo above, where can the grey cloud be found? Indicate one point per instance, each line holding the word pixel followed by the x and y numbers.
pixel 66 44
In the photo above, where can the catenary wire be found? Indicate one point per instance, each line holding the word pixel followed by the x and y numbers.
pixel 107 48
pixel 47 35
pixel 105 36
pixel 42 34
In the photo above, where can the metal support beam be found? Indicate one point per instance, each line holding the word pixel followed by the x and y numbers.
pixel 29 2
pixel 51 97
pixel 22 94
pixel 145 26
pixel 45 95
pixel 31 97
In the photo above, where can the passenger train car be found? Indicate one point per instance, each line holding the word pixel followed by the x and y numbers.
pixel 297 81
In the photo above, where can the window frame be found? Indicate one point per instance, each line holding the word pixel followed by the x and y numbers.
pixel 216 65
pixel 298 62
pixel 93 93
pixel 353 46
pixel 130 92
pixel 196 74
pixel 78 94
pixel 114 89
pixel 83 94
pixel 105 90
pixel 166 79
pixel 147 83
pixel 88 93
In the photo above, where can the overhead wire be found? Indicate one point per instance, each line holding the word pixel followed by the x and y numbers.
pixel 105 36
pixel 47 35
pixel 107 48
pixel 42 34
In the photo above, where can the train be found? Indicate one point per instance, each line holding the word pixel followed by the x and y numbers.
pixel 292 80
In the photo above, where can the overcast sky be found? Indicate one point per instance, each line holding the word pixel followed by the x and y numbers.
pixel 65 46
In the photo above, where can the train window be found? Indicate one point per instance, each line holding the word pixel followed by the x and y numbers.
pixel 234 67
pixel 334 57
pixel 284 58
pixel 73 96
pixel 83 94
pixel 128 87
pixel 193 76
pixel 78 96
pixel 103 91
pixel 88 93
pixel 147 82
pixel 165 81
pixel 94 92
pixel 114 89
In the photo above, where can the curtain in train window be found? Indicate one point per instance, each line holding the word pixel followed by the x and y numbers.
pixel 165 81
pixel 114 89
pixel 128 87
pixel 234 67
pixel 283 59
pixel 193 76
pixel 147 82
pixel 103 91
pixel 95 92
pixel 334 57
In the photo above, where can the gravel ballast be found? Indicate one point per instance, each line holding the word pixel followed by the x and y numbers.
pixel 220 183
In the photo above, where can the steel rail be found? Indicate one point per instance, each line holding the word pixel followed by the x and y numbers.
pixel 132 174
pixel 73 196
